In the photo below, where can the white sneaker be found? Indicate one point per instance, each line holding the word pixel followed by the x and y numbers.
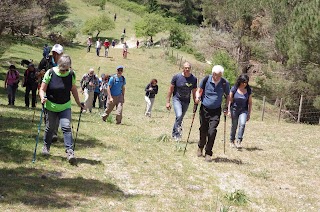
pixel 70 156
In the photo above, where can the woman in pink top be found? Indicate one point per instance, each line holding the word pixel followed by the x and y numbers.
pixel 11 83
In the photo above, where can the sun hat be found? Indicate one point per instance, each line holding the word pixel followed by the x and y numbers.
pixel 57 48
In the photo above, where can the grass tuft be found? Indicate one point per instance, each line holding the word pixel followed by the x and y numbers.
pixel 237 197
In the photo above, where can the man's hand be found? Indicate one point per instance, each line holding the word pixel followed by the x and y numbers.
pixel 43 100
pixel 195 107
pixel 168 106
pixel 111 99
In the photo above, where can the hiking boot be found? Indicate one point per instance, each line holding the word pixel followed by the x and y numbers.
pixel 199 152
pixel 54 138
pixel 104 117
pixel 232 145
pixel 70 156
pixel 45 150
pixel 208 158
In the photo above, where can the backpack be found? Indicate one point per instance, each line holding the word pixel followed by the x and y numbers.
pixel 123 79
pixel 51 72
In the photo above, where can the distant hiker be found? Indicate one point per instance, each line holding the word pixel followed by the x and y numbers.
pixel 125 50
pixel 239 108
pixel 55 90
pixel 98 47
pixel 113 43
pixel 122 37
pixel 182 85
pixel 88 84
pixel 11 83
pixel 96 93
pixel 89 44
pixel 210 92
pixel 116 91
pixel 46 51
pixel 106 45
pixel 151 91
pixel 115 17
pixel 30 81
pixel 103 89
pixel 44 65
pixel 124 30
pixel 138 43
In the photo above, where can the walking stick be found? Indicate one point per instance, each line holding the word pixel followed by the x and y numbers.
pixel 224 134
pixel 74 143
pixel 37 139
pixel 195 107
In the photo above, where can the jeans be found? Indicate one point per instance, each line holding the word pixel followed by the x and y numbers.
pixel 33 90
pixel 11 89
pixel 95 97
pixel 150 102
pixel 64 117
pixel 209 121
pixel 98 51
pixel 238 116
pixel 180 109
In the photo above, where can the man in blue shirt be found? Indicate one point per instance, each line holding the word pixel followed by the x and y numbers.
pixel 116 90
pixel 182 85
pixel 210 92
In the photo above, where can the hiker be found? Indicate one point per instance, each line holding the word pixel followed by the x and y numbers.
pixel 138 43
pixel 89 44
pixel 30 81
pixel 103 89
pixel 122 37
pixel 44 65
pixel 151 91
pixel 116 91
pixel 125 50
pixel 106 45
pixel 124 30
pixel 96 93
pixel 239 108
pixel 182 85
pixel 98 47
pixel 46 51
pixel 113 43
pixel 11 83
pixel 115 17
pixel 210 93
pixel 88 84
pixel 55 90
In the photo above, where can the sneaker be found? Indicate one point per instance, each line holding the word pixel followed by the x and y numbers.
pixel 70 156
pixel 199 152
pixel 54 138
pixel 84 111
pixel 104 117
pixel 45 150
pixel 232 145
pixel 208 158
pixel 238 145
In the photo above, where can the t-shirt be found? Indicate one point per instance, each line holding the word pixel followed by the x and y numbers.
pixel 12 76
pixel 212 95
pixel 116 84
pixel 240 101
pixel 183 86
pixel 55 107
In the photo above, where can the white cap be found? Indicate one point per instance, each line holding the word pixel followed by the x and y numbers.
pixel 217 69
pixel 57 48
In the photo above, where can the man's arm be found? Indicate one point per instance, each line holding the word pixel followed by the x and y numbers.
pixel 194 95
pixel 170 91
pixel 198 95
pixel 75 94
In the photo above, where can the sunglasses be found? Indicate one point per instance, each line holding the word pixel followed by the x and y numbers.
pixel 121 70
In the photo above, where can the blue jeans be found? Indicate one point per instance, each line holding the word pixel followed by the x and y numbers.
pixel 180 109
pixel 54 118
pixel 238 117
pixel 11 94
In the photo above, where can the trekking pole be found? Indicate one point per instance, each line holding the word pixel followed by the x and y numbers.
pixel 74 143
pixel 37 139
pixel 224 134
pixel 195 107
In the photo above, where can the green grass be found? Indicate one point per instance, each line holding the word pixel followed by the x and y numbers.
pixel 134 166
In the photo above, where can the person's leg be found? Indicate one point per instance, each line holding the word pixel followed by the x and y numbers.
pixel 90 100
pixel 34 96
pixel 65 120
pixel 119 103
pixel 180 109
pixel 95 96
pixel 86 97
pixel 204 126
pixel 108 110
pixel 9 90
pixel 14 90
pixel 212 132
pixel 242 125
pixel 234 125
pixel 151 105
pixel 26 96
pixel 51 122
pixel 148 102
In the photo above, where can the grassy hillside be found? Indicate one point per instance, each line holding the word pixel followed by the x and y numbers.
pixel 127 168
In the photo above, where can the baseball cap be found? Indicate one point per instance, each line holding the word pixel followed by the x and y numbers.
pixel 57 48
pixel 217 69
pixel 118 67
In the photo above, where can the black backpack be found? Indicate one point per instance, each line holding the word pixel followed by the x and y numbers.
pixel 224 85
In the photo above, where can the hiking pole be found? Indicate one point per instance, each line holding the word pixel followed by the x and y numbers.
pixel 195 107
pixel 37 139
pixel 74 143
pixel 224 134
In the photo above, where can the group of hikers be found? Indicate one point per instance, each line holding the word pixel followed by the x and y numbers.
pixel 56 81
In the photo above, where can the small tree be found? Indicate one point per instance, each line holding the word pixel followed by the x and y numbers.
pixel 98 24
pixel 178 36
pixel 150 25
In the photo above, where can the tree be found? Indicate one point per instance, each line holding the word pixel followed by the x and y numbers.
pixel 98 24
pixel 178 35
pixel 150 25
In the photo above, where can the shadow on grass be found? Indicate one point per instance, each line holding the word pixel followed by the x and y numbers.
pixel 57 159
pixel 252 149
pixel 46 189
pixel 226 160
